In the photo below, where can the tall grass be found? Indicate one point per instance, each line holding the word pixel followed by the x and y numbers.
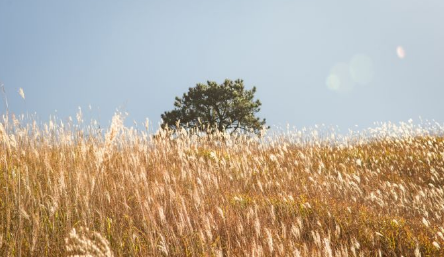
pixel 68 189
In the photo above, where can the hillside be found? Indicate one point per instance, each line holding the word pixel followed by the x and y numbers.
pixel 122 192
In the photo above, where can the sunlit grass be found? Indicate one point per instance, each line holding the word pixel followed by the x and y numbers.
pixel 68 189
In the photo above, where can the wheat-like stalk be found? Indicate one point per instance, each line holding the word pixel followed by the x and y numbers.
pixel 72 189
pixel 83 242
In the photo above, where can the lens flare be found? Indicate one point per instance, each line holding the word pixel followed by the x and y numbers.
pixel 400 52
pixel 339 78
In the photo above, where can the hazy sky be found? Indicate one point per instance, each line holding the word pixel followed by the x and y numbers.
pixel 313 62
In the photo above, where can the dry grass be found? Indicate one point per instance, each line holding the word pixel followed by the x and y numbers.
pixel 71 191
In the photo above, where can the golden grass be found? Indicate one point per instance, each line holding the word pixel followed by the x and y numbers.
pixel 71 191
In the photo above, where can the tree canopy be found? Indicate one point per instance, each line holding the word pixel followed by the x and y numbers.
pixel 214 107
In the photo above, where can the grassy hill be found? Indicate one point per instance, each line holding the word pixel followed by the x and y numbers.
pixel 122 192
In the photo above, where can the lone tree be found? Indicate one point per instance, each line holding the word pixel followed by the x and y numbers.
pixel 210 107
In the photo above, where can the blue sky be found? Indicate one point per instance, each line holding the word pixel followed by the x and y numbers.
pixel 313 62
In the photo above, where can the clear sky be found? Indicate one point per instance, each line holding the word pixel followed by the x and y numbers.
pixel 313 62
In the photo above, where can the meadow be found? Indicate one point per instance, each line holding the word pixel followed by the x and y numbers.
pixel 69 189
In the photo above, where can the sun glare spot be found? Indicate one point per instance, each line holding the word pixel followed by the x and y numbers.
pixel 333 82
pixel 400 52
pixel 339 78
pixel 344 76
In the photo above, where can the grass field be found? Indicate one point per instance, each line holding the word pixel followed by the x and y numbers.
pixel 68 189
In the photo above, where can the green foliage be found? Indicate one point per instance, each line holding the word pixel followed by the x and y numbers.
pixel 212 107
